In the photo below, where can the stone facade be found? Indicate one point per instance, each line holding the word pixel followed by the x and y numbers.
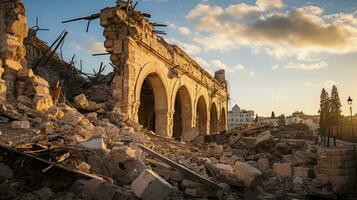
pixel 17 81
pixel 157 84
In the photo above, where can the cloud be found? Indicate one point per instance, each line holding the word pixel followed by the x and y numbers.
pixel 242 11
pixel 302 32
pixel 280 97
pixel 275 67
pixel 184 31
pixel 214 64
pixel 326 84
pixel 191 49
pixel 306 66
pixel 97 47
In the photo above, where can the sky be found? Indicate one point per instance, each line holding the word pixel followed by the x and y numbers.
pixel 278 54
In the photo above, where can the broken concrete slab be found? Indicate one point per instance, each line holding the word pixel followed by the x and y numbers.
pixel 263 138
pixel 250 176
pixel 150 186
pixel 95 143
pixel 283 169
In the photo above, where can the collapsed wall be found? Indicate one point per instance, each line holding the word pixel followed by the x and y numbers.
pixel 17 81
pixel 56 69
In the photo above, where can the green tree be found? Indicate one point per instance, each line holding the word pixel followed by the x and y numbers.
pixel 324 112
pixel 335 108
pixel 272 115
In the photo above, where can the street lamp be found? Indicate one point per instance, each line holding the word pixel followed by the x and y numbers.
pixel 349 101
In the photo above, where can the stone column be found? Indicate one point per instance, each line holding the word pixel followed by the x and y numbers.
pixel 13 30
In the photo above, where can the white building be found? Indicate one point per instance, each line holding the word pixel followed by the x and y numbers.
pixel 293 120
pixel 238 117
pixel 271 121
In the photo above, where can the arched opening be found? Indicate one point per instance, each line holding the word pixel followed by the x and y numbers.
pixel 222 121
pixel 182 119
pixel 152 113
pixel 214 119
pixel 201 116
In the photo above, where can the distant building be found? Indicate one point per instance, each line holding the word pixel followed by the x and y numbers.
pixel 312 121
pixel 293 120
pixel 238 117
pixel 271 121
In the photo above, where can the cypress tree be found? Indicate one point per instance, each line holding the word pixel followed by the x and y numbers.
pixel 324 112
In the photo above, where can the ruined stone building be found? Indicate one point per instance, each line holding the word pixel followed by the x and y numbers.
pixel 158 84
pixel 155 84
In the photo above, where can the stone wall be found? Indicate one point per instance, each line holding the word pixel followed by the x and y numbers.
pixel 21 84
pixel 338 165
pixel 140 56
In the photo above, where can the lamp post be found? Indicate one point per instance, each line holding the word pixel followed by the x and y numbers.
pixel 349 101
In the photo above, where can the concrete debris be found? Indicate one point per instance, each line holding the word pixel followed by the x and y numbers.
pixel 149 185
pixel 263 138
pixel 249 175
pixel 95 144
pixel 283 169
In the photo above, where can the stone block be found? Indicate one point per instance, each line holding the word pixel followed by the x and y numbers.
pixel 263 138
pixel 86 134
pixel 18 27
pixel 54 113
pixel 42 103
pixel 20 124
pixel 12 64
pixel 124 153
pixel 304 172
pixel 263 164
pixel 225 169
pixel 41 90
pixel 72 117
pixel 250 176
pixel 37 80
pixel 95 143
pixel 81 101
pixel 283 169
pixel 148 185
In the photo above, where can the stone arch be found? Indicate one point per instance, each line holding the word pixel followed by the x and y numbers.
pixel 223 120
pixel 153 104
pixel 201 116
pixel 182 117
pixel 214 126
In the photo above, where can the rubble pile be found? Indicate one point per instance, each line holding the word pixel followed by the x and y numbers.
pixel 106 143
pixel 88 149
